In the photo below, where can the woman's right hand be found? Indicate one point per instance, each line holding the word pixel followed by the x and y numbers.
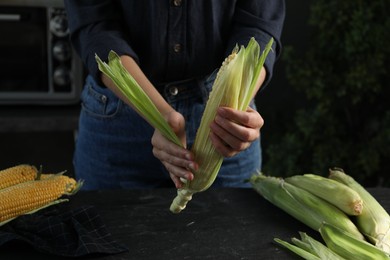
pixel 177 160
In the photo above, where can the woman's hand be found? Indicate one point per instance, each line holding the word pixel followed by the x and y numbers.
pixel 177 160
pixel 233 131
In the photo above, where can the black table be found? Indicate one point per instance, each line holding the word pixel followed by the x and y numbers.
pixel 217 224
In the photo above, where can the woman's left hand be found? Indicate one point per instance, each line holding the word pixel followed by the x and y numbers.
pixel 233 131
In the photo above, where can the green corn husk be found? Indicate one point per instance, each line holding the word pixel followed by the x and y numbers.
pixel 374 221
pixel 330 190
pixel 135 95
pixel 309 248
pixel 234 87
pixel 349 247
pixel 302 205
pixel 305 254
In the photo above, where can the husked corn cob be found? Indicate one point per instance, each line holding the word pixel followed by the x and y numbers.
pixel 349 247
pixel 330 190
pixel 17 174
pixel 33 195
pixel 302 205
pixel 374 221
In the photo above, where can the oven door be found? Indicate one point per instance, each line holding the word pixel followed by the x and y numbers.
pixel 23 46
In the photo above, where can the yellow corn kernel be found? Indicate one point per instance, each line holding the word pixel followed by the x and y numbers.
pixel 17 174
pixel 30 196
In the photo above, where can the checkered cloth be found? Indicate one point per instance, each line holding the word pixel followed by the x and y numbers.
pixel 73 233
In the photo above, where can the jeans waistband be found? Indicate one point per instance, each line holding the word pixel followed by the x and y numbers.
pixel 180 85
pixel 195 88
pixel 183 89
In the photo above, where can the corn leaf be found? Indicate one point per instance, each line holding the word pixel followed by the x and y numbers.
pixel 297 250
pixel 233 87
pixel 348 246
pixel 309 248
pixel 302 205
pixel 136 95
pixel 374 221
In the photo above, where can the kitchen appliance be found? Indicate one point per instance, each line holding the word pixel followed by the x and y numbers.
pixel 37 63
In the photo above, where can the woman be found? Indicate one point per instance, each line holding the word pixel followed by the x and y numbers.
pixel 172 49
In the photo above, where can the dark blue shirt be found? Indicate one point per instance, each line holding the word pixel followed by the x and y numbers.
pixel 173 39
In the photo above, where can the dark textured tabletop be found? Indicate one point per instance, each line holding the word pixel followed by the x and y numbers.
pixel 217 224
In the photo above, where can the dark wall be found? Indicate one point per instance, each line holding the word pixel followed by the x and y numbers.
pixel 53 150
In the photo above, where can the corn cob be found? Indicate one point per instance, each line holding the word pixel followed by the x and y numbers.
pixel 374 221
pixel 17 174
pixel 349 247
pixel 234 87
pixel 209 159
pixel 34 195
pixel 302 205
pixel 309 248
pixel 330 190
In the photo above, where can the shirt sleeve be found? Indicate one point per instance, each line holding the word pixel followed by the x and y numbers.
pixel 262 20
pixel 96 28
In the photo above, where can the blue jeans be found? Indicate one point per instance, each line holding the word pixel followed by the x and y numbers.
pixel 113 145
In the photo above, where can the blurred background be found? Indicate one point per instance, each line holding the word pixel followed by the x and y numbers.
pixel 327 105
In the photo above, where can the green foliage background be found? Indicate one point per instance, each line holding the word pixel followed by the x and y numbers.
pixel 344 77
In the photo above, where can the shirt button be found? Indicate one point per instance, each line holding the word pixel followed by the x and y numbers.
pixel 177 47
pixel 177 2
pixel 173 90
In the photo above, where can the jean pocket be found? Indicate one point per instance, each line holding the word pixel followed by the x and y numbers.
pixel 99 101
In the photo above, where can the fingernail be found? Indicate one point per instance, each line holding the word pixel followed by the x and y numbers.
pixel 189 177
pixel 191 166
pixel 188 156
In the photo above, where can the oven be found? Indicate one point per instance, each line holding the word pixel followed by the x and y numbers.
pixel 37 62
